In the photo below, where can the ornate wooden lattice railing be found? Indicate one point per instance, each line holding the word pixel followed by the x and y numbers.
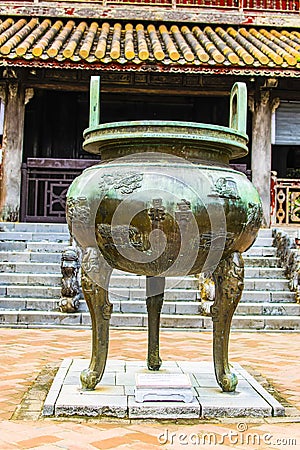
pixel 45 183
pixel 285 201
pixel 262 5
pixel 251 5
pixel 274 5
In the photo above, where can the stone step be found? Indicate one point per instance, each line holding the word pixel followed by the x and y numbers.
pixel 264 233
pixel 22 246
pixel 192 295
pixel 261 261
pixel 261 251
pixel 26 262
pixel 194 308
pixel 139 306
pixel 30 279
pixel 116 293
pixel 30 267
pixel 25 291
pixel 39 318
pixel 135 294
pixel 263 241
pixel 45 299
pixel 34 227
pixel 12 246
pixel 266 284
pixel 268 296
pixel 260 323
pixel 8 265
pixel 169 307
pixel 34 237
pixel 32 257
pixel 260 284
pixel 268 309
pixel 30 262
pixel 54 279
pixel 25 257
pixel 30 304
pixel 202 322
pixel 52 247
pixel 264 272
pixel 50 319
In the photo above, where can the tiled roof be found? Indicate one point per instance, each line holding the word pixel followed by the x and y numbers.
pixel 95 43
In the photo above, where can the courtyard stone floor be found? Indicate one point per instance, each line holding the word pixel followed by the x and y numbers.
pixel 30 358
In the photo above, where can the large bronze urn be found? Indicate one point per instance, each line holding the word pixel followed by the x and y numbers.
pixel 163 202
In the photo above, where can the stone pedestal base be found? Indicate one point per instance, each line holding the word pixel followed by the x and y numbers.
pixel 115 395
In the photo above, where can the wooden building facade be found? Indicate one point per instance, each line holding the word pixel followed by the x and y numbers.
pixel 160 59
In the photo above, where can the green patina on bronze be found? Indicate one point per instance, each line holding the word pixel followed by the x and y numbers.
pixel 169 179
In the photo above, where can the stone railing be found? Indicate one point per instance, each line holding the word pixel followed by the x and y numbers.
pixel 289 256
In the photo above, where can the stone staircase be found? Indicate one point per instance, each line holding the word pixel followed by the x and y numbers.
pixel 30 287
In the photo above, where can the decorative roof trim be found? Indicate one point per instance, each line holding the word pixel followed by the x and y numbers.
pixel 151 13
pixel 157 68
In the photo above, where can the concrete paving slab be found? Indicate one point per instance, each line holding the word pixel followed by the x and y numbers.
pixel 115 395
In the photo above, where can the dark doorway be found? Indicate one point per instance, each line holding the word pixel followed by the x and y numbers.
pixel 286 160
pixel 55 121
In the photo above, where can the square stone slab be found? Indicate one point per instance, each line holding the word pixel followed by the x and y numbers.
pixel 114 395
pixel 166 387
pixel 156 380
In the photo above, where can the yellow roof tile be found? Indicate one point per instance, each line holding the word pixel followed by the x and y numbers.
pixel 195 45
pixel 88 41
pixel 116 42
pixel 156 45
pixel 208 45
pixel 102 42
pixel 48 37
pixel 141 42
pixel 97 42
pixel 59 41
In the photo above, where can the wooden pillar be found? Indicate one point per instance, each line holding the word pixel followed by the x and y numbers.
pixel 261 107
pixel 13 95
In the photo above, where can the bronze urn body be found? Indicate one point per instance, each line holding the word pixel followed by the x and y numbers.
pixel 163 202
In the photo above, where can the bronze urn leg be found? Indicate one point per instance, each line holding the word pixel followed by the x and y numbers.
pixel 229 282
pixel 100 309
pixel 155 295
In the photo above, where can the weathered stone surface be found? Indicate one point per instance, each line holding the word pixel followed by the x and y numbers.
pixel 101 402
pixel 114 396
pixel 48 409
pixel 163 410
pixel 277 408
